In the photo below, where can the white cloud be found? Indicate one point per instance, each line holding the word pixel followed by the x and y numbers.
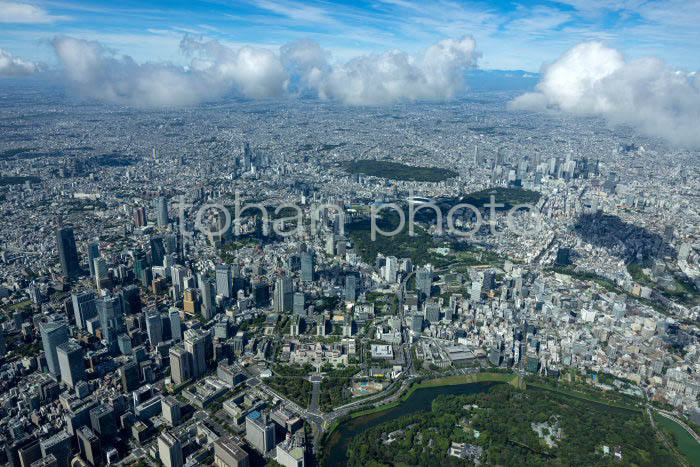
pixel 13 12
pixel 393 76
pixel 15 66
pixel 593 79
pixel 302 66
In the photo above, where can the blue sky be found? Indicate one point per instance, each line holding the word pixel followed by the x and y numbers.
pixel 510 35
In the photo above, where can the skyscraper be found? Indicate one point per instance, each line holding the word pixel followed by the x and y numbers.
pixel 260 432
pixel 180 364
pixel 93 253
pixel 175 324
pixel 424 281
pixel 350 288
pixel 283 295
pixel 157 251
pixel 169 450
pixel 70 362
pixel 223 280
pixel 109 310
pixel 207 289
pixel 140 219
pixel 307 267
pixel 83 307
pixel 195 344
pixel 161 207
pixel 391 269
pixel 67 252
pixel 154 327
pixel 53 334
pixel 298 306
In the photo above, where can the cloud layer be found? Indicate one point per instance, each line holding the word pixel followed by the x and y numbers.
pixel 592 79
pixel 258 73
pixel 14 66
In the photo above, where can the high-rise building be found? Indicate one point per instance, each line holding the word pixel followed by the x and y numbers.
pixel 298 305
pixel 170 408
pixel 103 421
pixel 101 273
pixel 161 207
pixel 229 452
pixel 154 328
pixel 157 251
pixel 195 344
pixel 424 281
pixel 175 324
pixel 170 450
pixel 93 249
pixel 260 432
pixel 307 267
pixel 67 252
pixel 432 312
pixel 190 303
pixel 58 445
pixel 261 294
pixel 283 295
pixel 350 288
pixel 109 310
pixel 70 362
pixel 89 444
pixel 223 280
pixel 83 307
pixel 391 269
pixel 207 289
pixel 140 219
pixel 53 334
pixel 180 364
pixel 130 376
pixel 130 297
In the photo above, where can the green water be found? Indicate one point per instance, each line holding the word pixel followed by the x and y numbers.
pixel 335 451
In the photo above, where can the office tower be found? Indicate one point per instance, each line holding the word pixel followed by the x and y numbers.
pixel 195 344
pixel 83 307
pixel 424 281
pixel 307 267
pixel 130 297
pixel 53 334
pixel 109 310
pixel 170 408
pixel 103 421
pixel 178 273
pixel 93 253
pixel 140 265
pixel 350 288
pixel 175 324
pixel 261 294
pixel 58 445
pixel 563 257
pixel 432 312
pixel 229 452
pixel 169 450
pixel 154 328
pixel 101 273
pixel 391 269
pixel 298 304
pixel 157 251
pixel 189 303
pixel 475 291
pixel 283 295
pixel 260 432
pixel 67 252
pixel 140 219
pixel 89 445
pixel 130 376
pixel 70 363
pixel 170 242
pixel 330 244
pixel 29 454
pixel 417 323
pixel 3 345
pixel 489 280
pixel 161 207
pixel 207 289
pixel 223 280
pixel 347 326
pixel 180 365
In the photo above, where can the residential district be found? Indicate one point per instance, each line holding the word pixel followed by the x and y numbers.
pixel 146 320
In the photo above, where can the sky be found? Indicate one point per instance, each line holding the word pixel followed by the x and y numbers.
pixel 511 35
pixel 630 62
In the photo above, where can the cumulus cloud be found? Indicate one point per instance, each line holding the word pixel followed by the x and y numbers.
pixel 257 73
pixel 393 76
pixel 593 79
pixel 15 66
